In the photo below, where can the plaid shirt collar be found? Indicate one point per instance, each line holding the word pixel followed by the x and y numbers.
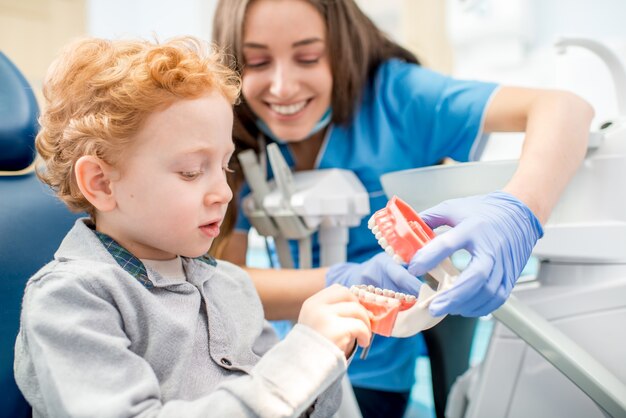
pixel 132 264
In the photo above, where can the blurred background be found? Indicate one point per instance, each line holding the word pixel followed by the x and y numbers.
pixel 508 41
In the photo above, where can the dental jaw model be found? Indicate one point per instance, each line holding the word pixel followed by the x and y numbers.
pixel 401 233
pixel 384 305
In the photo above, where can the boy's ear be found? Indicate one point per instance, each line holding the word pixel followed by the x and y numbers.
pixel 93 177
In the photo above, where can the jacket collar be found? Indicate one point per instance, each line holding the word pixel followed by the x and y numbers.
pixel 83 241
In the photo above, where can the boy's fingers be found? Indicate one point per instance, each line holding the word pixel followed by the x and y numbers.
pixel 335 293
pixel 351 310
pixel 358 330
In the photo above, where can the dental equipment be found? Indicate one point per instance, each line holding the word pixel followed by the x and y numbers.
pixel 573 314
pixel 296 205
pixel 293 206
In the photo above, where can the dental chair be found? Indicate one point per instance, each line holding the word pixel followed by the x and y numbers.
pixel 32 220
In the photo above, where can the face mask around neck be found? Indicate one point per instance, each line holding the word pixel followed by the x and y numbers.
pixel 321 124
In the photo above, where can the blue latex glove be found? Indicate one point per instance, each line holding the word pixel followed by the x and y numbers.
pixel 498 230
pixel 379 271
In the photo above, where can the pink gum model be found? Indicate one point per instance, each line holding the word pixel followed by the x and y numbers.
pixel 401 233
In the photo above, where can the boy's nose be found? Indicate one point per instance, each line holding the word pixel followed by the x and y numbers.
pixel 219 192
pixel 284 84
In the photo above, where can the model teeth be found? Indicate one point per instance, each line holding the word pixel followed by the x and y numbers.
pixel 370 293
pixel 288 109
pixel 378 222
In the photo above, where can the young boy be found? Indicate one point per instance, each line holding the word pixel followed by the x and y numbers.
pixel 132 317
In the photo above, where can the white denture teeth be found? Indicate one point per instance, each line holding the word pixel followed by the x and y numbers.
pixel 370 293
pixel 389 250
pixel 397 259
pixel 382 242
pixel 378 235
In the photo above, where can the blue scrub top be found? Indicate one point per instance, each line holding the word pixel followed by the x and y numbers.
pixel 409 117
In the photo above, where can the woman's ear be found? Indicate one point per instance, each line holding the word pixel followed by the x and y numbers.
pixel 93 177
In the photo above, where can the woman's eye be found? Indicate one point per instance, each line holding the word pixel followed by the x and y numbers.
pixel 189 175
pixel 256 64
pixel 309 61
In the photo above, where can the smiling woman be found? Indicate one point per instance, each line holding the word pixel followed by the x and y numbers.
pixel 287 81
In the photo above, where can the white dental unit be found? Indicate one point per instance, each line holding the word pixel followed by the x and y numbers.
pixel 574 314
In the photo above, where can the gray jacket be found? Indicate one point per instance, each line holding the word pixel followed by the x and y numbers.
pixel 102 336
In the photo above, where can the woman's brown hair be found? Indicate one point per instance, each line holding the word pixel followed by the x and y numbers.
pixel 356 48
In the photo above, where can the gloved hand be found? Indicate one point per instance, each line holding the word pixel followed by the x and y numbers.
pixel 379 271
pixel 498 230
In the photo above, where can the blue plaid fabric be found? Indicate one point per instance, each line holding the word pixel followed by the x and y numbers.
pixel 126 260
pixel 132 264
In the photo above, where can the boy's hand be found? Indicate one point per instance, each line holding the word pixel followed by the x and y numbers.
pixel 336 314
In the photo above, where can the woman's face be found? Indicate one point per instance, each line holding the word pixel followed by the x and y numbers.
pixel 287 81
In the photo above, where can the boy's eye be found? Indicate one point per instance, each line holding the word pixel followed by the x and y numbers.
pixel 189 175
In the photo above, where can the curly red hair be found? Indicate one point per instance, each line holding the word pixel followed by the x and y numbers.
pixel 99 92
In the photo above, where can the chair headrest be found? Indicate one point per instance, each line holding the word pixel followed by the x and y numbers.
pixel 18 118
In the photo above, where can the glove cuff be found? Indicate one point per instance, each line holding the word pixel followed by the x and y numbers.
pixel 526 213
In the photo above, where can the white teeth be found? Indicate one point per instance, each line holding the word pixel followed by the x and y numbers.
pixel 390 251
pixel 288 109
pixel 382 242
pixel 371 223
pixel 378 291
pixel 398 259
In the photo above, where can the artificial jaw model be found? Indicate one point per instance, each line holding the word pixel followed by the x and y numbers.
pixel 401 233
